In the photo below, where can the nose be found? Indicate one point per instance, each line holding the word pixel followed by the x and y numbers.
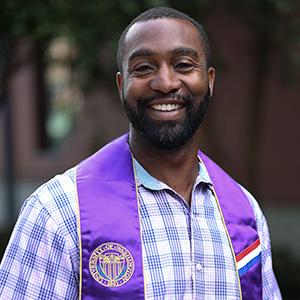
pixel 165 81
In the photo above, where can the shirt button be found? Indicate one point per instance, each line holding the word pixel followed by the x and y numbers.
pixel 198 267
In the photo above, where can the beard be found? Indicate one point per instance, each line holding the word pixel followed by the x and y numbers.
pixel 167 134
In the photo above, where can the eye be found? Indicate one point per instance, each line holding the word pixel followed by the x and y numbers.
pixel 184 66
pixel 142 69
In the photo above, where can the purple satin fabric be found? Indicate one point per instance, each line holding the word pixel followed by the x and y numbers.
pixel 109 213
pixel 251 283
pixel 240 222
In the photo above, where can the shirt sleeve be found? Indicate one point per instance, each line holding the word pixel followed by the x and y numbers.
pixel 37 263
pixel 270 286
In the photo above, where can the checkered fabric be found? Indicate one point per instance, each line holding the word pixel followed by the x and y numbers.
pixel 185 248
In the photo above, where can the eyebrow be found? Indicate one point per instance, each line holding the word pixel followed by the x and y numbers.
pixel 176 52
pixel 185 51
pixel 142 53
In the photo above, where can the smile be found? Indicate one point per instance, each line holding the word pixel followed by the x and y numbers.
pixel 166 107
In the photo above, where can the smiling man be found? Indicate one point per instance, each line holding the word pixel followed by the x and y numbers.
pixel 165 87
pixel 148 216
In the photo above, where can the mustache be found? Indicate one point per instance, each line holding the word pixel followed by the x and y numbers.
pixel 187 99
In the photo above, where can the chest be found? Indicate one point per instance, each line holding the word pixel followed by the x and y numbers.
pixel 186 250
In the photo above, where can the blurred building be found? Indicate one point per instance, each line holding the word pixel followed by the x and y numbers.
pixel 55 125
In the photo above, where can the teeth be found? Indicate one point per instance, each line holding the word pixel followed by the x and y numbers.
pixel 166 107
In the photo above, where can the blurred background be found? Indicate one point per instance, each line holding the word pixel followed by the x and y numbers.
pixel 59 101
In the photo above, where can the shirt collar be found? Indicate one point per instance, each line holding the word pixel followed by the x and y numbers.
pixel 148 181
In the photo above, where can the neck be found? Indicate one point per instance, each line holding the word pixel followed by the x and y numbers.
pixel 178 167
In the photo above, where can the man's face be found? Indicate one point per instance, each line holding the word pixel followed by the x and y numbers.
pixel 165 86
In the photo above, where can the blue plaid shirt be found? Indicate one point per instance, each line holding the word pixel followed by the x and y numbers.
pixel 186 252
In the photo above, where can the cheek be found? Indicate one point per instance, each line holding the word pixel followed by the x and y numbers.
pixel 198 86
pixel 133 89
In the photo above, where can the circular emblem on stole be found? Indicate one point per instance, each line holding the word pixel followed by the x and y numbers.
pixel 111 264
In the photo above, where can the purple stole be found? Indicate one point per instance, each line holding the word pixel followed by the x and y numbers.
pixel 111 263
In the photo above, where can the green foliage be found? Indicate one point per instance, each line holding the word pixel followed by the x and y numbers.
pixel 95 25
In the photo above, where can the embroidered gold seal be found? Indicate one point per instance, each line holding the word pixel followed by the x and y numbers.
pixel 111 264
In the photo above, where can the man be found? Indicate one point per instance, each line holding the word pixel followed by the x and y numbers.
pixel 156 218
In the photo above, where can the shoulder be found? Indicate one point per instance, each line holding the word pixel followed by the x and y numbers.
pixel 270 286
pixel 259 216
pixel 262 226
pixel 44 244
pixel 53 205
pixel 57 193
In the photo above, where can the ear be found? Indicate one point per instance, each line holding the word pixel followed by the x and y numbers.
pixel 211 73
pixel 119 81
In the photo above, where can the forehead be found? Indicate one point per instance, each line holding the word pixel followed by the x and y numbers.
pixel 162 35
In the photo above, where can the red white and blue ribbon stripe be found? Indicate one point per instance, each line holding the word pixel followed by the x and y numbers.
pixel 248 257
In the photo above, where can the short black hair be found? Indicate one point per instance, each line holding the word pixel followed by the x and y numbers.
pixel 159 13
